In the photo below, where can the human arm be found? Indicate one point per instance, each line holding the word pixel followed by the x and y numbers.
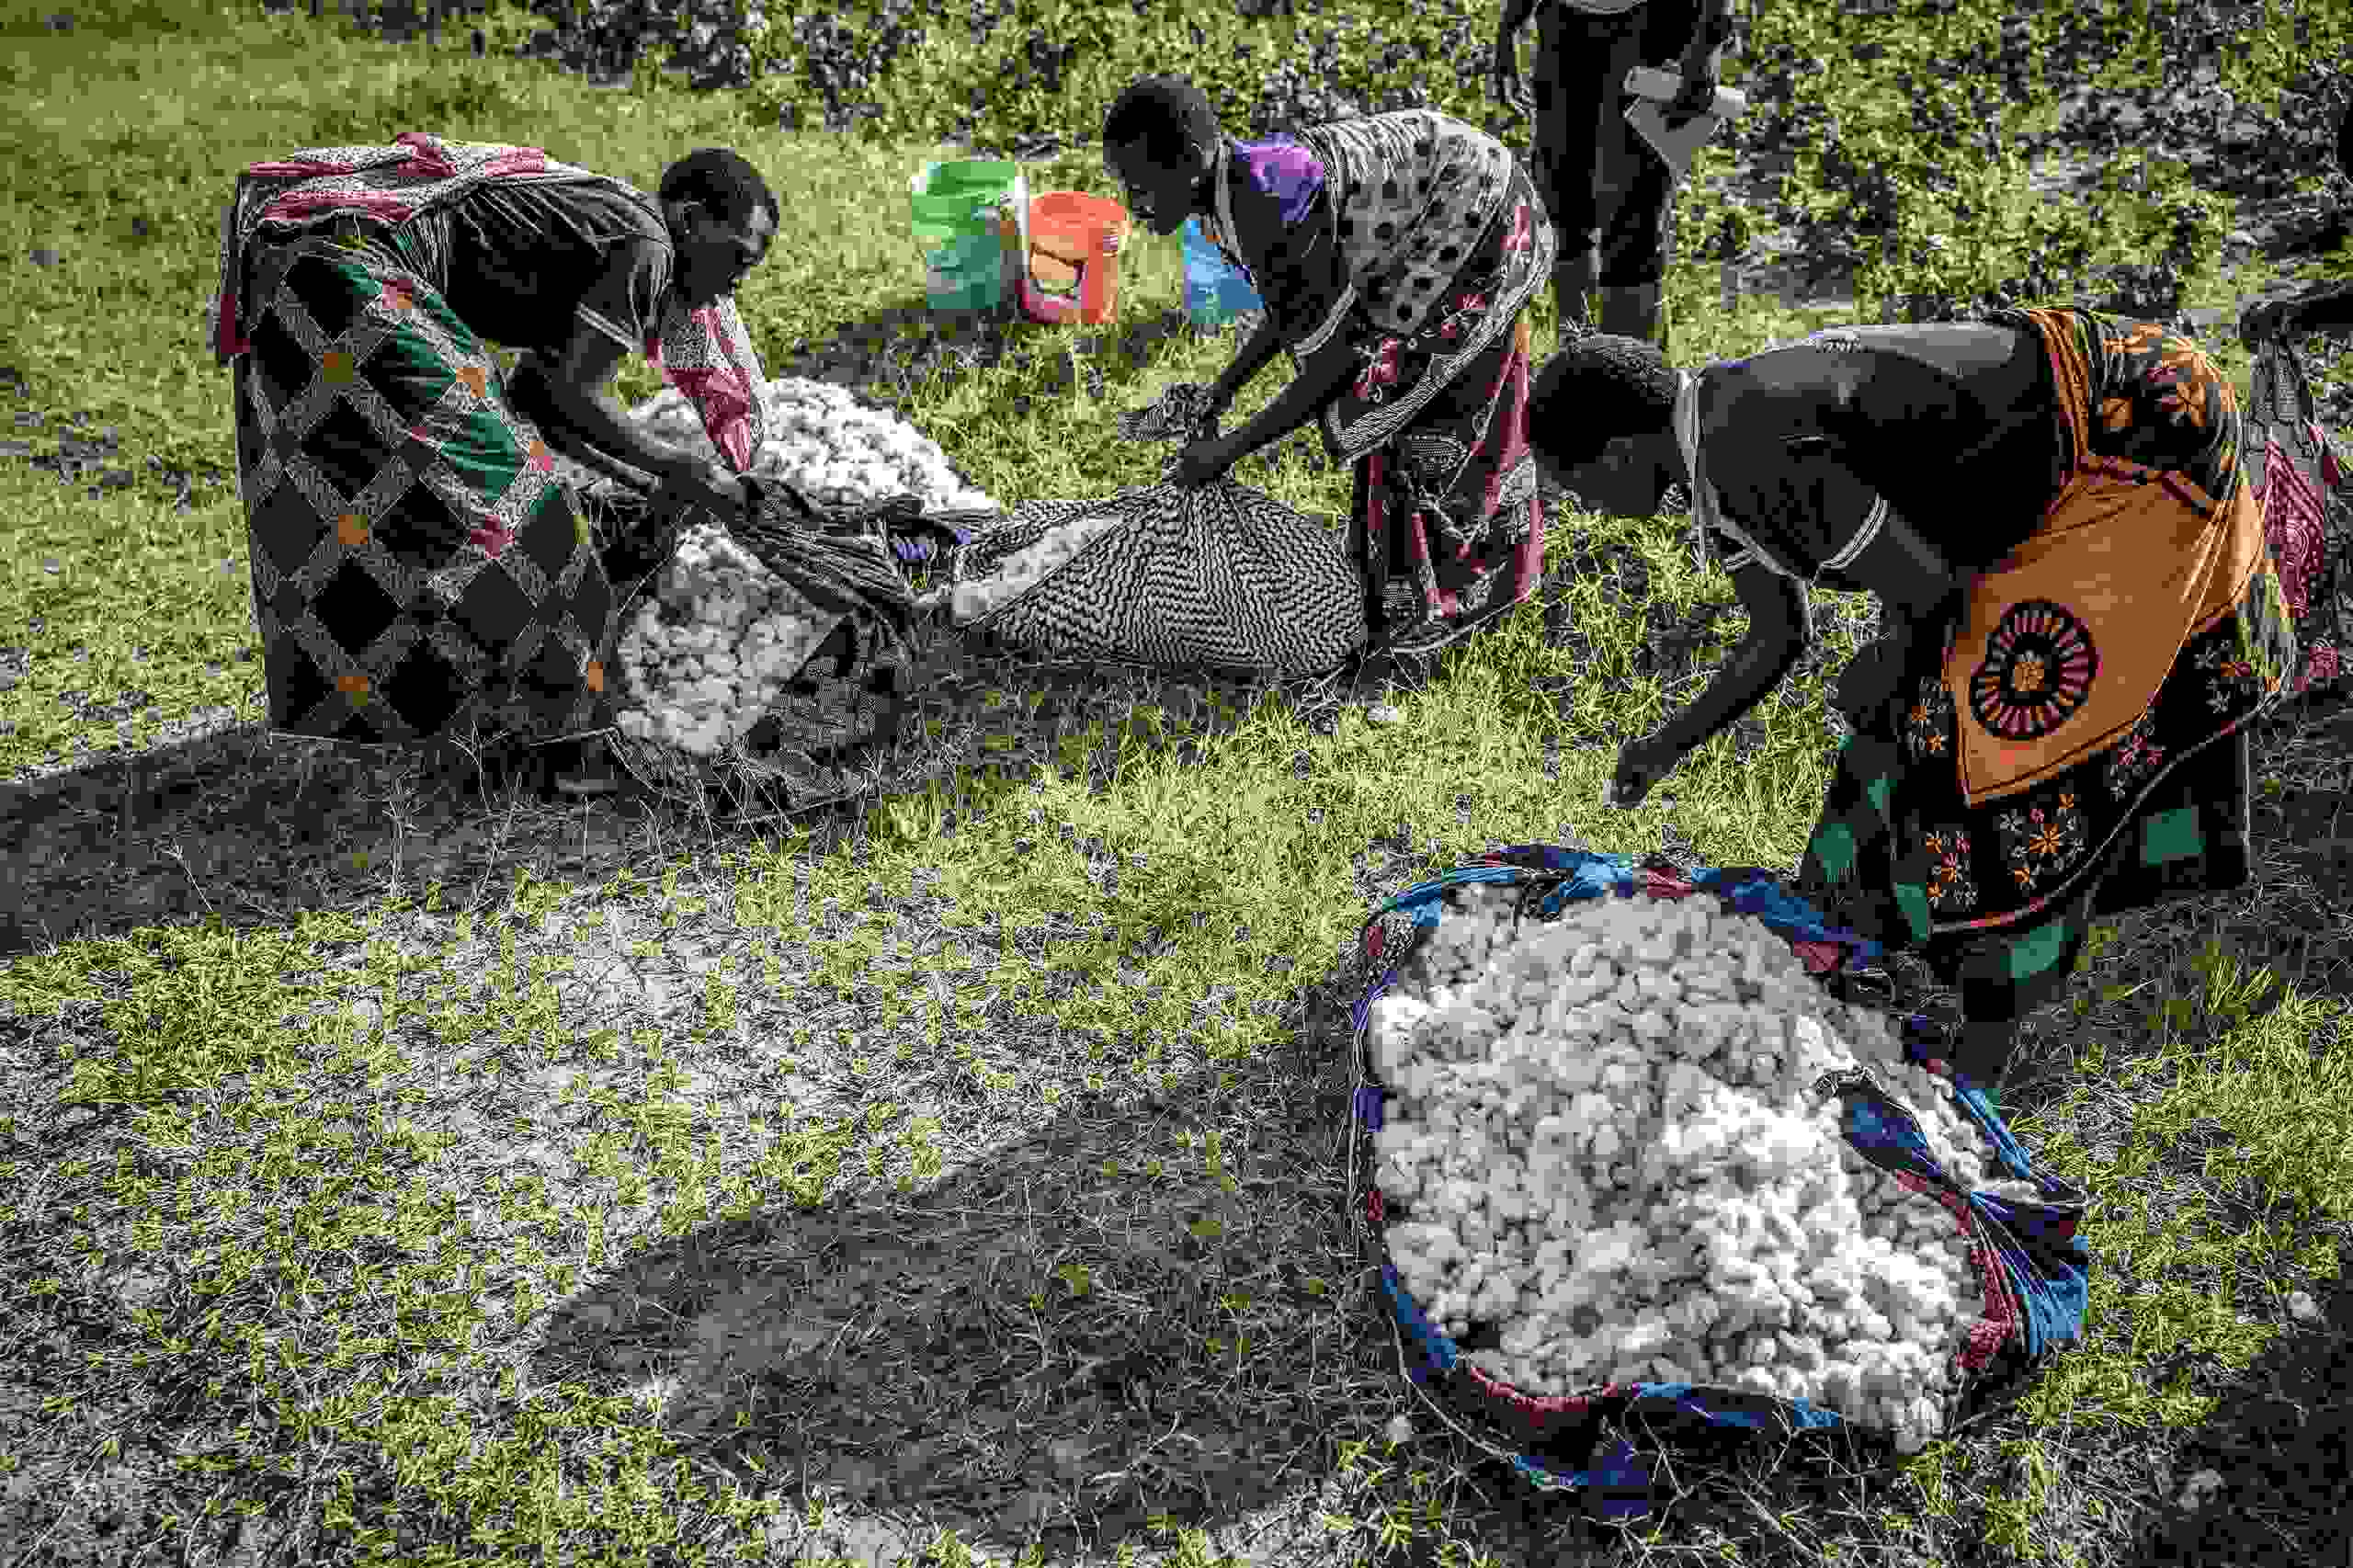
pixel 1301 277
pixel 575 386
pixel 1504 77
pixel 1322 378
pixel 2327 308
pixel 1262 346
pixel 1777 636
pixel 570 396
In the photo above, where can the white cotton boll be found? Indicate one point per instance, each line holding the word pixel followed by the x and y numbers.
pixel 1393 1021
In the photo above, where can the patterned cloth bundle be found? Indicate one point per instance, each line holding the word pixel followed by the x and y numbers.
pixel 1217 576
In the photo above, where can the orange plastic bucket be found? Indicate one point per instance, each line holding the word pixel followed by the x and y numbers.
pixel 1074 264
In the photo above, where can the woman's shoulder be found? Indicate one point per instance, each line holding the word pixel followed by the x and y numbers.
pixel 1280 176
pixel 645 208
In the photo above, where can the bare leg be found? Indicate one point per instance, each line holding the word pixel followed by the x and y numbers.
pixel 1573 286
pixel 1631 311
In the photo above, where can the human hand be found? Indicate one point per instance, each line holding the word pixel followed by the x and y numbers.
pixel 1698 95
pixel 1184 412
pixel 1503 76
pixel 1641 764
pixel 710 486
pixel 1201 463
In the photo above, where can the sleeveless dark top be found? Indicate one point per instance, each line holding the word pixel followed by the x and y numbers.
pixel 1956 432
pixel 524 262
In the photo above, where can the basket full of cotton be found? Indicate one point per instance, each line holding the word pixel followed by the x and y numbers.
pixel 1623 1159
pixel 715 641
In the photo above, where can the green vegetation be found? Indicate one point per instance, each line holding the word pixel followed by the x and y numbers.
pixel 964 1180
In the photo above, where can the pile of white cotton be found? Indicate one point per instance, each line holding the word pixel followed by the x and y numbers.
pixel 716 635
pixel 1605 1140
pixel 836 450
pixel 970 599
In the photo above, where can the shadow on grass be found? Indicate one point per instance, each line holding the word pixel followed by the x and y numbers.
pixel 2263 1481
pixel 1051 1343
pixel 256 827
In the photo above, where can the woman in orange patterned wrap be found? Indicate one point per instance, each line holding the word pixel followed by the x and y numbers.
pixel 2086 618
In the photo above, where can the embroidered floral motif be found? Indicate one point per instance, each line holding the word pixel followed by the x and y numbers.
pixel 2186 378
pixel 2040 842
pixel 2038 671
pixel 1952 890
pixel 2232 679
pixel 491 539
pixel 1930 721
pixel 1379 372
pixel 2135 758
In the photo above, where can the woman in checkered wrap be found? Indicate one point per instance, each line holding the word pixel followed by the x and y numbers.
pixel 1396 255
pixel 418 569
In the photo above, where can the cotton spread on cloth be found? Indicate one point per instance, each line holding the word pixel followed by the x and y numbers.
pixel 704 351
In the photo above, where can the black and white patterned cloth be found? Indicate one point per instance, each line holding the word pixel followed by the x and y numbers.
pixel 1219 576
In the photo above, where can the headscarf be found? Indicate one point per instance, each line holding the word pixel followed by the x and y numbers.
pixel 704 351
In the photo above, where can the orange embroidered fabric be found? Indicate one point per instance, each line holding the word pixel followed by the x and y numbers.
pixel 2066 641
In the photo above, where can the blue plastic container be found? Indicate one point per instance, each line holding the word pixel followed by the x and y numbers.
pixel 1215 289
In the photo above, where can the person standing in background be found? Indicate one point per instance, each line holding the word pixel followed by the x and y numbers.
pixel 1607 191
pixel 2326 306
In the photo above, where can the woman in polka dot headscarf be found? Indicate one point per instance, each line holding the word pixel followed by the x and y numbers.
pixel 1396 255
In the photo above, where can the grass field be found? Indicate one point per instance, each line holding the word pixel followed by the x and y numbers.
pixel 387 1176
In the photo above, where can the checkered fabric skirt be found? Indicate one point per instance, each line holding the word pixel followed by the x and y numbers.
pixel 417 564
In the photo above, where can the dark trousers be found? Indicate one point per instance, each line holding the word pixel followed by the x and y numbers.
pixel 1607 191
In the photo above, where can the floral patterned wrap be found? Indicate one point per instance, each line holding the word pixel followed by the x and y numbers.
pixel 2303 482
pixel 2076 742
